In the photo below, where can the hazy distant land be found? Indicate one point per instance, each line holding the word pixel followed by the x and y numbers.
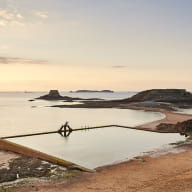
pixel 92 91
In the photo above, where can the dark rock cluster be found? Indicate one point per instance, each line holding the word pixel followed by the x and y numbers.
pixel 180 127
pixel 185 126
pixel 54 95
pixel 23 167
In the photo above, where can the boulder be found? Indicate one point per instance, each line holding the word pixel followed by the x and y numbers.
pixel 185 126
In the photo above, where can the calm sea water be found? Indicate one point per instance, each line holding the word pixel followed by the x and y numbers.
pixel 91 148
pixel 19 116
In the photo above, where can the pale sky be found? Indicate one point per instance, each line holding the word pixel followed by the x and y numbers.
pixel 123 45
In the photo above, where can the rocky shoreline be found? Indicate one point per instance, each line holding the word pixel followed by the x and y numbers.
pixel 168 99
pixel 23 169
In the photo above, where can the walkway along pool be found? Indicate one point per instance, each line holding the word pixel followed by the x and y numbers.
pixel 99 147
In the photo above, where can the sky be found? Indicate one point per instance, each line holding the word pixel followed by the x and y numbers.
pixel 123 45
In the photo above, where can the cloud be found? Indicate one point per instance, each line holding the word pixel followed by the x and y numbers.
pixel 6 14
pixel 15 60
pixel 8 17
pixel 42 14
pixel 3 22
pixel 13 15
pixel 18 15
pixel 119 66
pixel 11 23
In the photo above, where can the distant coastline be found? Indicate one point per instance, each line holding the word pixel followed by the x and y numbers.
pixel 92 91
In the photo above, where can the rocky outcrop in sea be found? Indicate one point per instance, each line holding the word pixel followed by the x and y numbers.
pixel 54 95
pixel 162 95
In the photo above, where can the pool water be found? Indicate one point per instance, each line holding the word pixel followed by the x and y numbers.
pixel 99 147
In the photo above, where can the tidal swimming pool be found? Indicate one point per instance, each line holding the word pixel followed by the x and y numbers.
pixel 99 147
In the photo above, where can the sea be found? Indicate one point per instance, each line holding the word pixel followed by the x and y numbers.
pixel 91 148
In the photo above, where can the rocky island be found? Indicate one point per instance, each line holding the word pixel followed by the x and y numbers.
pixel 168 99
pixel 54 95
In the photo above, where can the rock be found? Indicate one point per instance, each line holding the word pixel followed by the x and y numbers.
pixel 185 126
pixel 6 175
pixel 162 95
pixel 180 127
pixel 31 100
pixel 53 95
pixel 167 128
pixel 153 104
pixel 24 167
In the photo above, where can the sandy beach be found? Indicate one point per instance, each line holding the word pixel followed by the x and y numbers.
pixel 168 173
pixel 170 117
